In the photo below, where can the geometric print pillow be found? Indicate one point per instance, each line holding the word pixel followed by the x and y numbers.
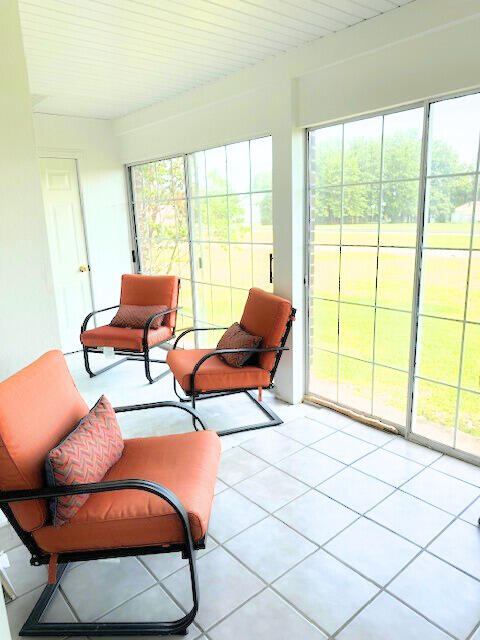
pixel 237 338
pixel 135 316
pixel 85 455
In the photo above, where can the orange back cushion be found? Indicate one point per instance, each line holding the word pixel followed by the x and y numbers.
pixel 39 406
pixel 139 289
pixel 266 315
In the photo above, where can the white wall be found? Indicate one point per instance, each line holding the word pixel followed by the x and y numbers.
pixel 425 48
pixel 4 629
pixel 28 323
pixel 103 191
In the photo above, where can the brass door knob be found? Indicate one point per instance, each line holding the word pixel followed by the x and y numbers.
pixel 83 268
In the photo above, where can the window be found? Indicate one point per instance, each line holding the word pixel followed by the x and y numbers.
pixel 364 185
pixel 394 276
pixel 207 216
pixel 230 203
pixel 160 205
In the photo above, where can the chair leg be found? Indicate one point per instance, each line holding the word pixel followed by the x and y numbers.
pixel 88 369
pixel 273 419
pixel 33 626
pixel 181 398
pixel 147 360
pixel 194 423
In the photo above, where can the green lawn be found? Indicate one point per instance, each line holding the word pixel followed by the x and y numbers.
pixel 352 332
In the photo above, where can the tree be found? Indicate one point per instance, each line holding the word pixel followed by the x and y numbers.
pixel 446 194
pixel 265 207
pixel 401 161
pixel 161 211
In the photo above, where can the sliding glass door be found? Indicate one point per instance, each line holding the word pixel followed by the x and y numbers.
pixel 447 380
pixel 207 216
pixel 393 280
pixel 364 185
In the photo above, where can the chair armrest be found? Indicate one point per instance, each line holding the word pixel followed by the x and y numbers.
pixel 101 487
pixel 217 352
pixel 164 403
pixel 146 328
pixel 184 333
pixel 92 313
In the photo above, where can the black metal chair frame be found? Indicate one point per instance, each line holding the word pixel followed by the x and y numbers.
pixel 272 418
pixel 130 354
pixel 33 626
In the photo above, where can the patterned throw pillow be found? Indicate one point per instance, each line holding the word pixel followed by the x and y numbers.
pixel 85 455
pixel 236 338
pixel 134 316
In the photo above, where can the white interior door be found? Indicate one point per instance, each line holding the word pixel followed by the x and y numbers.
pixel 67 247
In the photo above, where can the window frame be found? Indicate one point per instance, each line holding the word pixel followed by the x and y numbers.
pixel 189 198
pixel 413 375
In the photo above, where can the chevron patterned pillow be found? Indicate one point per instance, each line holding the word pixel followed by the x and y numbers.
pixel 134 316
pixel 85 455
pixel 237 338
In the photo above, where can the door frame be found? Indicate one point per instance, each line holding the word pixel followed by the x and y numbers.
pixel 75 155
pixel 405 431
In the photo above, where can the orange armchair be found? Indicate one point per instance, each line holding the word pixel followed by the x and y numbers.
pixel 135 344
pixel 156 499
pixel 201 373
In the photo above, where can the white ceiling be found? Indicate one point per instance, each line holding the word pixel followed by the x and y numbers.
pixel 106 58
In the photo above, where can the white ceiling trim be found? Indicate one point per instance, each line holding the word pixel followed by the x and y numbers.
pixel 107 58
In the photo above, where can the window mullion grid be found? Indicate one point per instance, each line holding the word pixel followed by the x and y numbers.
pixel 364 360
pixel 340 261
pixel 462 345
pixel 147 222
pixel 236 193
pixel 190 245
pixel 417 270
pixel 207 203
pixel 251 206
pixel 442 383
pixel 144 245
pixel 392 180
pixel 137 220
pixel 307 266
pixel 380 196
pixel 134 218
pixel 228 231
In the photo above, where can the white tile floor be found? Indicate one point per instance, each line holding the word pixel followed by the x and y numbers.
pixel 321 528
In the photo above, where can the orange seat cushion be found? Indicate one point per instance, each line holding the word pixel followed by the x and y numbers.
pixel 186 464
pixel 214 374
pixel 39 406
pixel 121 338
pixel 266 315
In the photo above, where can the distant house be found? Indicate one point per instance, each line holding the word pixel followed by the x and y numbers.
pixel 463 213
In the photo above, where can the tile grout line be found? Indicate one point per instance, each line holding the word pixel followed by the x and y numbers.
pixel 421 549
pixel 272 514
pixel 394 488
